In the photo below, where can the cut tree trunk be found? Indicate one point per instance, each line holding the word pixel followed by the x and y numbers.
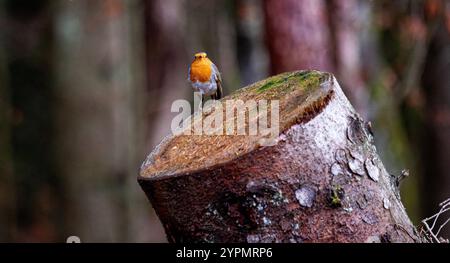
pixel 321 181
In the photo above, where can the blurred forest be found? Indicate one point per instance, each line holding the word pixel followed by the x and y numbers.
pixel 86 88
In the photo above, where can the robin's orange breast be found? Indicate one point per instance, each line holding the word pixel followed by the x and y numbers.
pixel 200 71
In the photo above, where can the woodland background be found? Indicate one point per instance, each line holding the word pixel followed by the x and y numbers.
pixel 86 88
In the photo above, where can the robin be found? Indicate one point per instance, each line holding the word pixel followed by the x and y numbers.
pixel 205 77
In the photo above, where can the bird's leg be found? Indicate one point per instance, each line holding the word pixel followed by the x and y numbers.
pixel 200 105
pixel 198 101
pixel 203 101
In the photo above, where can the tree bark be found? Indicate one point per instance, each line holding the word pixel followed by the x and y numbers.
pixel 98 102
pixel 166 62
pixel 298 35
pixel 322 181
pixel 347 25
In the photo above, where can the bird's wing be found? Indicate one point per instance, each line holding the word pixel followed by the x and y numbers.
pixel 218 79
pixel 216 73
pixel 189 74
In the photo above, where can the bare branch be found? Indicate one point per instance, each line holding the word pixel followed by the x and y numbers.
pixel 429 232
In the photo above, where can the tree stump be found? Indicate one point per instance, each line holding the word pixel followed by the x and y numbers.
pixel 321 180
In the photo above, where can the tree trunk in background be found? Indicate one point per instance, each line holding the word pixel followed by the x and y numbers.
pixel 99 102
pixel 250 47
pixel 27 39
pixel 346 21
pixel 323 35
pixel 298 35
pixel 436 85
pixel 167 64
pixel 7 193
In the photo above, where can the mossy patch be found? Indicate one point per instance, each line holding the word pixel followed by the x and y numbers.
pixel 310 79
pixel 304 80
pixel 272 83
pixel 335 196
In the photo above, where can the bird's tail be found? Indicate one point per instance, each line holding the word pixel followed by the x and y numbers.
pixel 219 92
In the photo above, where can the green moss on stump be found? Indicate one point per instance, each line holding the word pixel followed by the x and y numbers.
pixel 303 79
pixel 277 86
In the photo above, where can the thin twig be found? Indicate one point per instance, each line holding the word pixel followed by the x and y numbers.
pixel 436 216
pixel 440 228
pixel 428 233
